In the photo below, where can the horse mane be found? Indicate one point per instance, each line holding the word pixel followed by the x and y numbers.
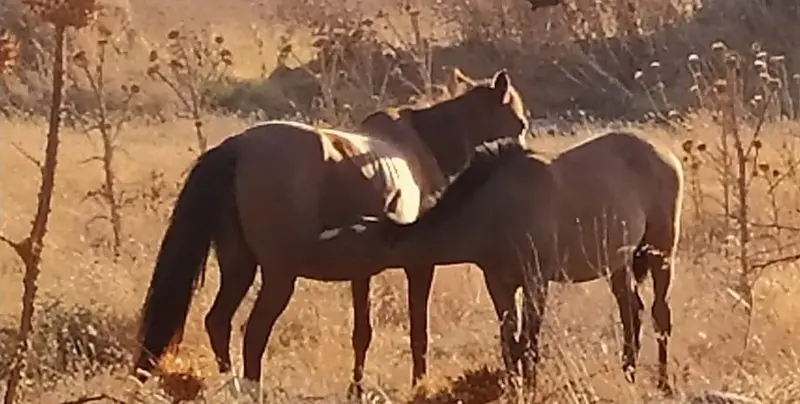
pixel 485 160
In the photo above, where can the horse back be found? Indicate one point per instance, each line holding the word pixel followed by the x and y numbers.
pixel 622 167
pixel 614 187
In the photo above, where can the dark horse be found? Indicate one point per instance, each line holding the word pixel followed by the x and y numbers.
pixel 607 207
pixel 262 197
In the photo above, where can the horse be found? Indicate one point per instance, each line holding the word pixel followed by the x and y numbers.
pixel 262 196
pixel 607 207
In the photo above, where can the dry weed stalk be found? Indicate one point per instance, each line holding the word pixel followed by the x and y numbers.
pixel 421 52
pixel 659 87
pixel 190 67
pixel 109 124
pixel 693 160
pixel 61 14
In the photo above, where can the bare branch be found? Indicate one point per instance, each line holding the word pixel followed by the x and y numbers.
pixel 776 261
pixel 174 88
pixel 774 226
pixel 537 4
pixel 27 155
pixel 90 159
pixel 91 399
pixel 11 243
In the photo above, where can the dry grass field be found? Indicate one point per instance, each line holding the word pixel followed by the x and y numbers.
pixel 88 297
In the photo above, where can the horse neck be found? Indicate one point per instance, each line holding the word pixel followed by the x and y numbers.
pixel 449 148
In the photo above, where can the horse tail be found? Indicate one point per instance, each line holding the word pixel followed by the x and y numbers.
pixel 181 261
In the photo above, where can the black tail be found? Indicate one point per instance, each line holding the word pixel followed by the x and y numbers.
pixel 180 265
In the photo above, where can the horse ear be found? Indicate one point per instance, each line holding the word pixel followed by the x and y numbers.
pixel 501 83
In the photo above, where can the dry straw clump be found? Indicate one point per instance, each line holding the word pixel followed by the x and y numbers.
pixel 181 378
pixel 481 385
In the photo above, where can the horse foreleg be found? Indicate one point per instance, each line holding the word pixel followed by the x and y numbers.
pixel 420 280
pixel 630 312
pixel 268 307
pixel 362 333
pixel 534 305
pixel 502 295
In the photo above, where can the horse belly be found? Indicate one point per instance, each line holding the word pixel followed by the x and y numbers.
pixel 578 270
pixel 585 256
pixel 350 255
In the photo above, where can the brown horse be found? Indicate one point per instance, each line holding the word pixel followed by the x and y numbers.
pixel 262 197
pixel 527 220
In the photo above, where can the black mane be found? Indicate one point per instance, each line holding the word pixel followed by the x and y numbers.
pixel 485 160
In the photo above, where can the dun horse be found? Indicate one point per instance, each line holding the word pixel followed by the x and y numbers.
pixel 607 207
pixel 262 197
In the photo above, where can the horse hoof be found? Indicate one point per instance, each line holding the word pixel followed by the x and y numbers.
pixel 630 373
pixel 355 391
pixel 244 388
pixel 664 387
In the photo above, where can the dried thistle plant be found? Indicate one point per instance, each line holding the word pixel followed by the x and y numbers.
pixel 693 159
pixel 109 124
pixel 190 65
pixel 61 14
pixel 740 165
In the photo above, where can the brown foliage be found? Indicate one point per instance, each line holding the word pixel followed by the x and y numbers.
pixel 68 13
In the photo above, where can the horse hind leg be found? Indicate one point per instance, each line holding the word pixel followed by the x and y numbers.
pixel 502 295
pixel 630 304
pixel 659 255
pixel 273 297
pixel 237 271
